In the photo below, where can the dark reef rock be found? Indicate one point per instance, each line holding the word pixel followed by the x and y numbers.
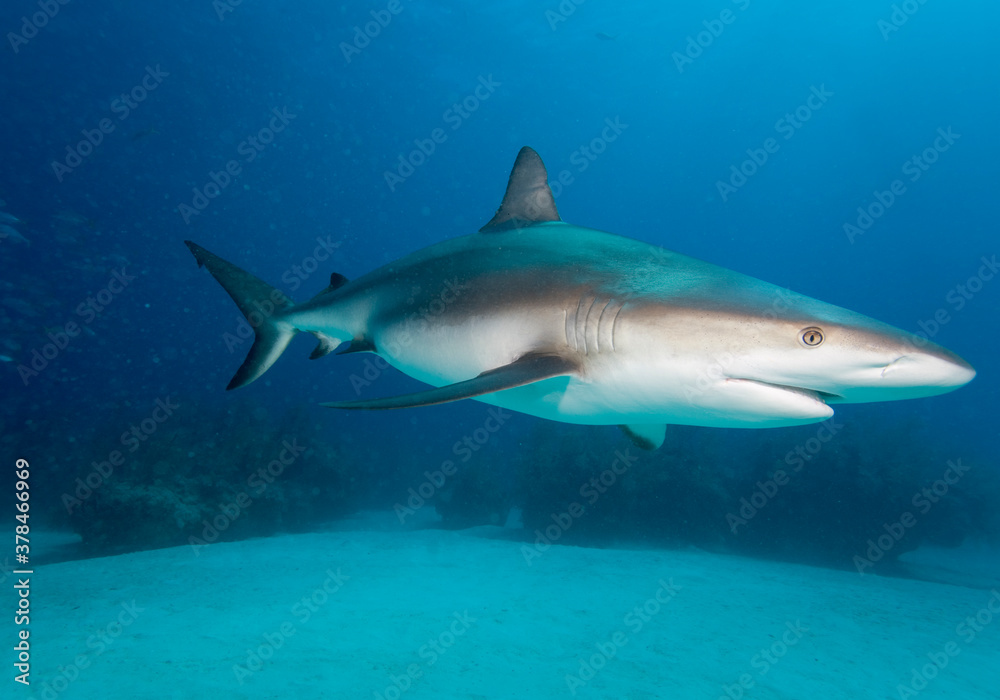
pixel 206 478
pixel 864 494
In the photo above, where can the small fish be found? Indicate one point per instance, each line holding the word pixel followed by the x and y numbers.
pixel 6 358
pixel 8 232
pixel 604 36
pixel 9 218
pixel 71 218
pixel 20 306
pixel 144 133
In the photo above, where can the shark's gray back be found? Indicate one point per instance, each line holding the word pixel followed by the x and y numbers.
pixel 555 265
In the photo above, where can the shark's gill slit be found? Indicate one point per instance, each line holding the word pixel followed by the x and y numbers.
pixel 581 323
pixel 571 339
pixel 596 326
pixel 614 324
pixel 590 328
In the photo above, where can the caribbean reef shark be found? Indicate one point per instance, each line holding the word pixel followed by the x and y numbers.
pixel 567 323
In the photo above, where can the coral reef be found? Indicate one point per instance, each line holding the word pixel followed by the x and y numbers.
pixel 204 478
pixel 842 494
pixel 855 490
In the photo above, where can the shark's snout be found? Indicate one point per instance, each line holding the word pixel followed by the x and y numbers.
pixel 911 375
pixel 928 373
pixel 885 366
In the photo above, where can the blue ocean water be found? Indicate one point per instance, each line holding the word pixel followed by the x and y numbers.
pixel 847 152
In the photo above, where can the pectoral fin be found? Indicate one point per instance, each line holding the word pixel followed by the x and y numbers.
pixel 525 370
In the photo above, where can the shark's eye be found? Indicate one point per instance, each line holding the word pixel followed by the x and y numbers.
pixel 811 337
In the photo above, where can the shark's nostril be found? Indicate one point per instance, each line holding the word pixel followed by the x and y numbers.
pixel 928 370
pixel 889 368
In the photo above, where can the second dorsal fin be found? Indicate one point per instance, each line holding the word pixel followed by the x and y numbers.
pixel 528 199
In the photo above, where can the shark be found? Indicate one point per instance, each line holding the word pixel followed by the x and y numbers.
pixel 539 316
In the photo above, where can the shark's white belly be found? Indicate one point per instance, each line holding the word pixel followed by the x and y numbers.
pixel 630 394
pixel 615 386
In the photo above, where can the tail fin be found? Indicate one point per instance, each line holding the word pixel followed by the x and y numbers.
pixel 261 304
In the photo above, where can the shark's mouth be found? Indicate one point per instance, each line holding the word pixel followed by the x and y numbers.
pixel 813 394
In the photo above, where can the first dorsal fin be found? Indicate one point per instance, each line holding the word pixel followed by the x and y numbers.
pixel 528 199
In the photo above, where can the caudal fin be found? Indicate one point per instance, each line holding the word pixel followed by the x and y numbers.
pixel 262 305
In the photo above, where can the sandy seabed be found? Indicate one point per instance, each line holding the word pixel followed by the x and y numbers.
pixel 378 613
